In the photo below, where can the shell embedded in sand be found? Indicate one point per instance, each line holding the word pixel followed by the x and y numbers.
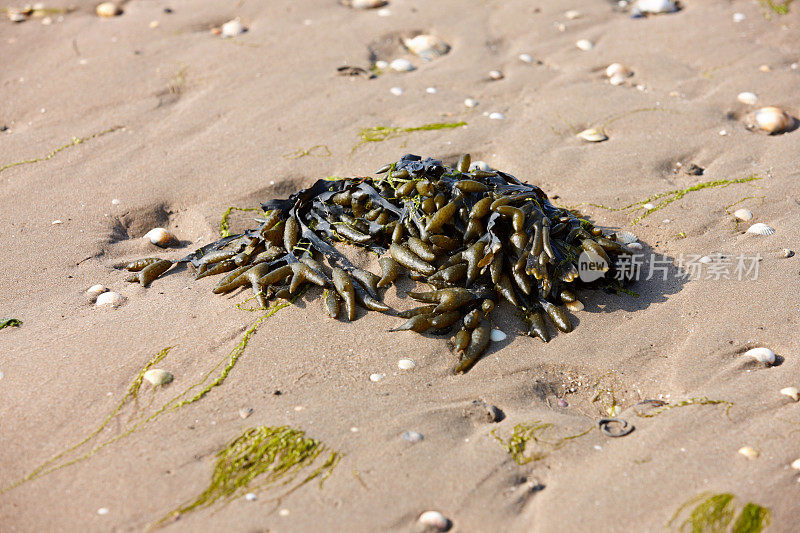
pixel 759 228
pixel 626 237
pixel 496 75
pixel 770 119
pixel 749 452
pixel 401 65
pixel 412 436
pixel 406 364
pixel 572 14
pixel 526 58
pixel 232 28
pixel 747 98
pixel 616 80
pixel 585 44
pixel 365 4
pixel 376 377
pixel 434 520
pixel 157 377
pixel 94 291
pixel 796 464
pixel 108 9
pixel 112 299
pixel 428 47
pixel 618 69
pixel 160 237
pixel 762 355
pixel 593 135
pixel 470 102
pixel 497 116
pixel 791 392
pixel 743 214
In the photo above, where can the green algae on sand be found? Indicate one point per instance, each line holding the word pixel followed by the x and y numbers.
pixel 260 458
pixel 10 322
pixel 532 433
pixel 714 513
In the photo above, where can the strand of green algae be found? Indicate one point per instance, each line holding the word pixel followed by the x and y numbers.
pixel 75 141
pixel 382 133
pixel 171 405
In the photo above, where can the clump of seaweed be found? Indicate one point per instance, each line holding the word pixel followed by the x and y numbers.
pixel 10 323
pixel 717 513
pixel 476 237
pixel 260 458
pixel 525 435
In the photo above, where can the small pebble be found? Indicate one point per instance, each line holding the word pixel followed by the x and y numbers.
pixel 232 28
pixel 497 116
pixel 434 520
pixel 431 90
pixel 397 91
pixel 55 222
pixel 401 65
pixel 526 58
pixel 791 392
pixel 497 335
pixel 94 291
pixel 469 102
pixel 749 452
pixel 250 497
pixel 153 24
pixel 244 412
pixel 738 17
pixel 284 512
pixel 102 511
pixel 496 75
pixel 110 298
pixel 723 133
pixel 160 237
pixel 412 436
pixel 376 377
pixel 562 402
pixel 157 376
pixel 406 364
pixel 585 45
pixel 108 9
pixel 765 68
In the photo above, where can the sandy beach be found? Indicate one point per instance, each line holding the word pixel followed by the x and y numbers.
pixel 110 127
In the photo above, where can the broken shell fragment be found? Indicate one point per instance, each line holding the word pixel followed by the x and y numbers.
pixel 762 355
pixel 743 214
pixel 160 237
pixel 749 452
pixel 747 98
pixel 428 47
pixel 158 377
pixel 592 135
pixel 770 119
pixel 760 228
pixel 791 392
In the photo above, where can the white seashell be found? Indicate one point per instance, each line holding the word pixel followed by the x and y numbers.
pixel 526 58
pixel 480 165
pixel 160 237
pixel 635 246
pixel 434 520
pixel 367 4
pixel 572 14
pixel 626 237
pixel 616 79
pixel 107 9
pixel 762 355
pixel 593 135
pixel 428 47
pixel 496 75
pixel 102 511
pixel 381 64
pixel 791 392
pixel 232 28
pixel 15 16
pixel 469 102
pixel 401 65
pixel 770 119
pixel 618 69
pixel 115 202
pixel 397 91
pixel 796 464
pixel 654 6
pixel 114 299
pixel 250 496
pixel 244 412
pixel 648 206
pixel 760 228
pixel 585 45
pixel 406 364
pixel 497 116
pixel 747 98
pixel 749 452
pixel 430 90
pixel 412 436
pixel 743 214
pixel 376 377
pixel 94 291
pixel 739 17
pixel 157 377
pixel 497 335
